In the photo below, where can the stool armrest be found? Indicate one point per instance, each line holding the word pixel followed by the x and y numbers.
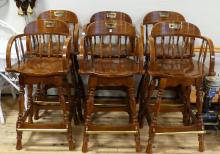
pixel 76 38
pixel 66 52
pixel 212 56
pixel 152 49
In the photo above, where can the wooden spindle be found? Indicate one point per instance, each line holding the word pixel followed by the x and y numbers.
pixel 101 46
pixel 201 49
pixel 50 45
pixel 17 52
pixel 22 48
pixel 110 46
pixel 41 38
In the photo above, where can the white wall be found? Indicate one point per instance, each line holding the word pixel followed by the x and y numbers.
pixel 203 13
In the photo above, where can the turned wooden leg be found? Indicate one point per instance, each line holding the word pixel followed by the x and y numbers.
pixel 77 101
pixel 78 104
pixel 20 120
pixel 137 141
pixel 150 140
pixel 19 142
pixel 74 101
pixel 89 110
pixel 69 134
pixel 141 97
pixel 38 96
pixel 154 122
pixel 143 109
pixel 184 94
pixel 132 105
pixel 82 97
pixel 199 105
pixel 85 142
pixel 80 90
pixel 30 103
pixel 36 112
pixel 66 119
pixel 89 106
pixel 140 89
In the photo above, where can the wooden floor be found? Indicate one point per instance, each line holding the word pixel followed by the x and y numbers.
pixel 48 143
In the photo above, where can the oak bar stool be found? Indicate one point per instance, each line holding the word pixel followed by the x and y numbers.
pixel 173 64
pixel 43 57
pixel 149 20
pixel 112 70
pixel 71 19
pixel 117 92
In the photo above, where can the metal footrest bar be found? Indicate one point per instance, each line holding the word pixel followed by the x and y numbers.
pixel 41 130
pixel 186 132
pixel 111 132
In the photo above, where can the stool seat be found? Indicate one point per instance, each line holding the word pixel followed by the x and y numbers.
pixel 40 66
pixel 177 68
pixel 110 67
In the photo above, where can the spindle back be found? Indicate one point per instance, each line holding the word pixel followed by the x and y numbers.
pixel 110 38
pixel 68 17
pixel 42 38
pixel 180 40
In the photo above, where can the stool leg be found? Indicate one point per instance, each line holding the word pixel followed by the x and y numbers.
pixel 66 119
pixel 184 95
pixel 30 104
pixel 88 113
pixel 38 96
pixel 74 110
pixel 78 87
pixel 141 97
pixel 154 122
pixel 19 142
pixel 82 97
pixel 143 109
pixel 199 116
pixel 20 114
pixel 76 97
pixel 140 89
pixel 78 104
pixel 132 105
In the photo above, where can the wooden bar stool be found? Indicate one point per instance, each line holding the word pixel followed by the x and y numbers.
pixel 71 19
pixel 149 21
pixel 173 64
pixel 112 38
pixel 121 90
pixel 43 57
